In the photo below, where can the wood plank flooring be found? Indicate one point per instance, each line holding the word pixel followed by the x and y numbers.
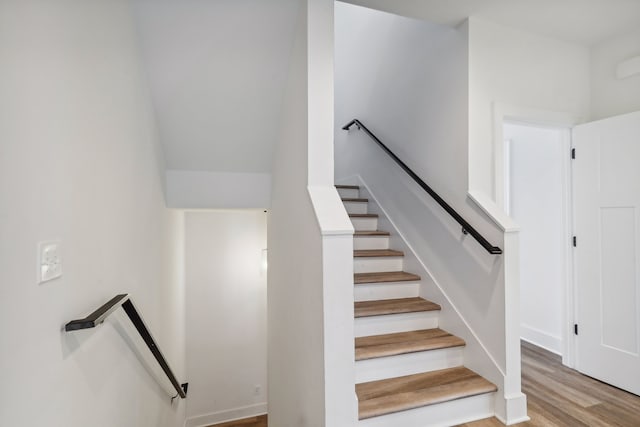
pixel 557 397
pixel 361 233
pixel 393 306
pixel 362 253
pixel 260 421
pixel 561 397
pixel 404 342
pixel 413 391
pixel 385 276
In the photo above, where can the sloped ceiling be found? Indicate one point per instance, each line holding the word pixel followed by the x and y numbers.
pixel 217 70
pixel 580 21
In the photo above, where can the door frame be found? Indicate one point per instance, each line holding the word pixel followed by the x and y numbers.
pixel 560 120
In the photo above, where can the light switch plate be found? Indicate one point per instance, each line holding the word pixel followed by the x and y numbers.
pixel 49 261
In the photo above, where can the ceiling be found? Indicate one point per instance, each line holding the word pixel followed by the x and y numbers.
pixel 217 71
pixel 580 21
pixel 218 68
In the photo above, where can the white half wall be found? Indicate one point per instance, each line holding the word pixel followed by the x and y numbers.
pixel 523 70
pixel 612 96
pixel 80 163
pixel 226 315
pixel 218 190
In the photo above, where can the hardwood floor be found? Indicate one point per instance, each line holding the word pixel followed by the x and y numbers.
pixel 559 396
pixel 260 421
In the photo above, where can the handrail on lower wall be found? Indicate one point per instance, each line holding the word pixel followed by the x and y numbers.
pixel 123 300
pixel 466 227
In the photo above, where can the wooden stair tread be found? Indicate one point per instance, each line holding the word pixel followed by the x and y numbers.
pixel 385 276
pixel 355 199
pixel 361 253
pixel 348 187
pixel 386 396
pixel 393 306
pixel 363 215
pixel 364 233
pixel 405 342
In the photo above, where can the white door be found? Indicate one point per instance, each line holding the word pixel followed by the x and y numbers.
pixel 606 179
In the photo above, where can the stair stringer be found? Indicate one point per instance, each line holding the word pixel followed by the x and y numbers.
pixel 477 356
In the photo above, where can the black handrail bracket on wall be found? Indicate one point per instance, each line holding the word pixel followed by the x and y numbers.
pixel 466 227
pixel 124 301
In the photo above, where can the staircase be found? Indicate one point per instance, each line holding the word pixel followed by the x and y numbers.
pixel 409 372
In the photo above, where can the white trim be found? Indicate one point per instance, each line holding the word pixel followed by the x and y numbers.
pixel 568 338
pixel 330 211
pixel 515 410
pixel 507 172
pixel 515 114
pixel 561 120
pixel 496 214
pixel 542 339
pixel 227 415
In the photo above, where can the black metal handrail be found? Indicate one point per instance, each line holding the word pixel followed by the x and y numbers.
pixel 466 227
pixel 99 316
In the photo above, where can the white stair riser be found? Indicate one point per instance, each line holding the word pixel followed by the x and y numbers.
pixel 356 207
pixel 365 224
pixel 438 415
pixel 408 364
pixel 347 193
pixel 377 264
pixel 391 290
pixel 370 242
pixel 391 323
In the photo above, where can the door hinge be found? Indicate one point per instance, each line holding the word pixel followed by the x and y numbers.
pixel 575 328
pixel 573 153
pixel 575 241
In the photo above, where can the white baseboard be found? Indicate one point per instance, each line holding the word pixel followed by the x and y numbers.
pixel 228 415
pixel 541 339
pixel 512 409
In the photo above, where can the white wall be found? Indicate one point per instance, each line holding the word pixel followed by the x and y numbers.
pixel 406 80
pixel 311 368
pixel 537 203
pixel 610 96
pixel 514 68
pixel 217 190
pixel 294 295
pixel 226 315
pixel 79 162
